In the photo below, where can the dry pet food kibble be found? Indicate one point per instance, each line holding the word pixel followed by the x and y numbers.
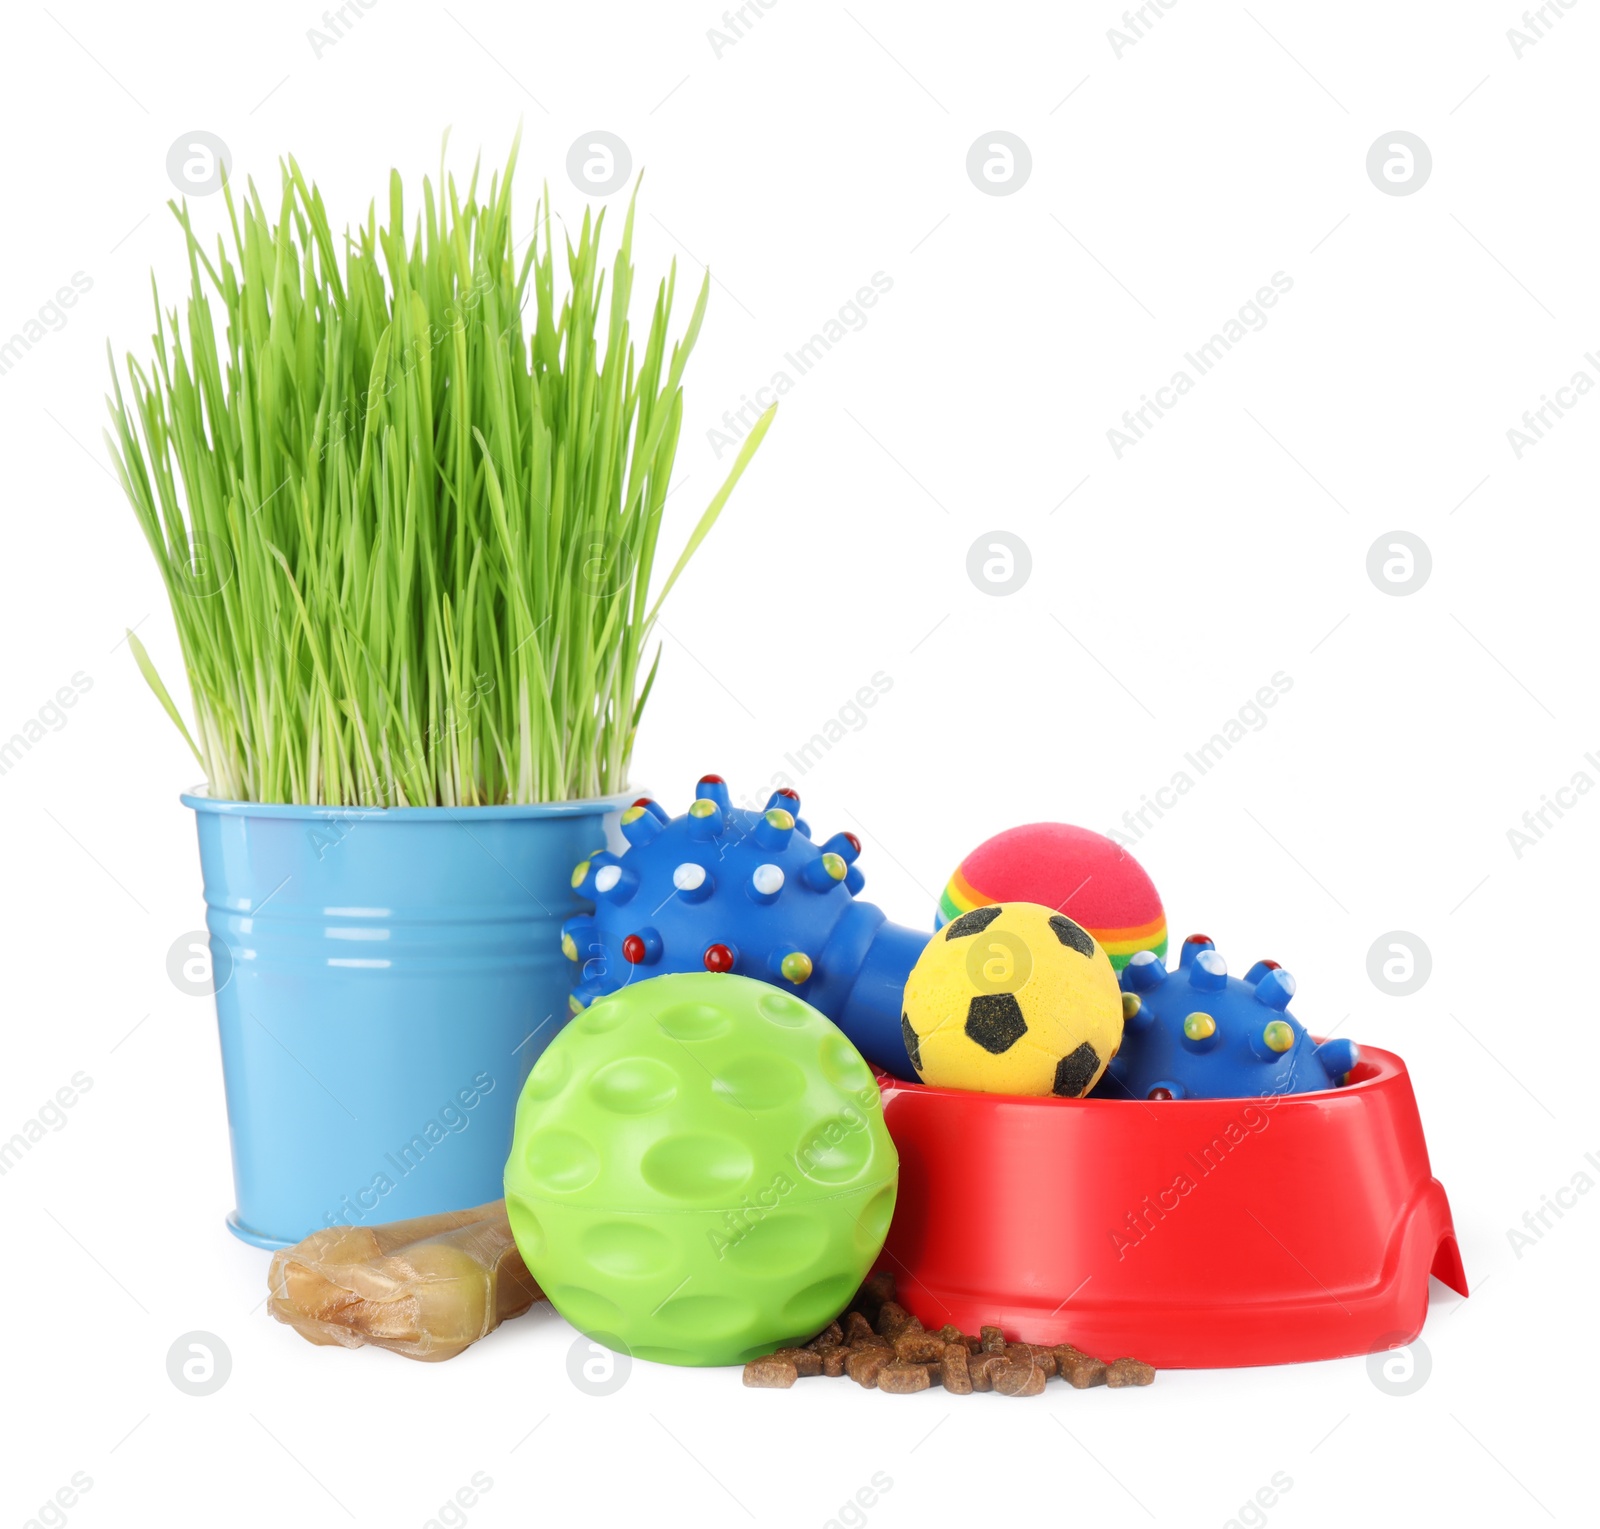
pixel 894 1319
pixel 901 1379
pixel 770 1374
pixel 882 1346
pixel 805 1361
pixel 919 1347
pixel 1014 1377
pixel 1027 1353
pixel 1078 1369
pixel 870 1298
pixel 954 1374
pixel 1129 1372
pixel 829 1336
pixel 863 1366
pixel 856 1328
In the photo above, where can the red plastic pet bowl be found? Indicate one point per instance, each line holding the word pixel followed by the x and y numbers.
pixel 1192 1233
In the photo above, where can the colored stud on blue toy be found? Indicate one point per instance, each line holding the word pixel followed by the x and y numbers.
pixel 724 889
pixel 1197 1033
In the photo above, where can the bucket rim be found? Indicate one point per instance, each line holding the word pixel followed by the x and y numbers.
pixel 199 801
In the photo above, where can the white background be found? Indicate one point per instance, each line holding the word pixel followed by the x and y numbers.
pixel 825 145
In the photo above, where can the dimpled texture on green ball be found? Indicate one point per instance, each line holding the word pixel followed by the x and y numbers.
pixel 700 1170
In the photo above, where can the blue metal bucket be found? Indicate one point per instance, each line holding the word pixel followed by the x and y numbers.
pixel 385 979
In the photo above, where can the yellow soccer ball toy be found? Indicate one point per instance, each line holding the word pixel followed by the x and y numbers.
pixel 1013 998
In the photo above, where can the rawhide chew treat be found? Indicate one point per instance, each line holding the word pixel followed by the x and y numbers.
pixel 1013 998
pixel 1075 871
pixel 425 1288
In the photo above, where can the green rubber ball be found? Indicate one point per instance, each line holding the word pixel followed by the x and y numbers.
pixel 700 1171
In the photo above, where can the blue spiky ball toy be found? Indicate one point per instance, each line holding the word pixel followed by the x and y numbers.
pixel 1197 1033
pixel 729 889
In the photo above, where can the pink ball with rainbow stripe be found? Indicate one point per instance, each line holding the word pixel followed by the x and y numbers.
pixel 1075 871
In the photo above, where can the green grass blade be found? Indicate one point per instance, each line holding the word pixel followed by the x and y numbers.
pixel 708 519
pixel 405 494
pixel 153 680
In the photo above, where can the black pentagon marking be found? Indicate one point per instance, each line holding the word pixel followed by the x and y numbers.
pixel 995 1022
pixel 909 1036
pixel 1073 1072
pixel 1073 936
pixel 972 923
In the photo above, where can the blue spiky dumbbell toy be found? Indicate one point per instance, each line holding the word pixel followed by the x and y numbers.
pixel 726 889
pixel 1198 1033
